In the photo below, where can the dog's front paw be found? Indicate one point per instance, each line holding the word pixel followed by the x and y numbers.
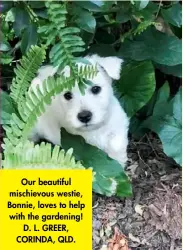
pixel 123 159
pixel 117 149
pixel 120 156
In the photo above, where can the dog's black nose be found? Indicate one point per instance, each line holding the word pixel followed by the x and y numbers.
pixel 85 116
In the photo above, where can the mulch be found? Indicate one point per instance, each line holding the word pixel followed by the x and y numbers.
pixel 152 218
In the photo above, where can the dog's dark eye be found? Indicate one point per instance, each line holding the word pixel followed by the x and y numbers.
pixel 68 96
pixel 95 90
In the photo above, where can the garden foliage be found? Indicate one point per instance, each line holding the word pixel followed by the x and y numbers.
pixel 147 35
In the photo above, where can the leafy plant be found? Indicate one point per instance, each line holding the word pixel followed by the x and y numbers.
pixel 34 103
pixel 136 86
pixel 166 121
pixel 110 178
pixel 68 42
pixel 25 72
pixel 39 157
pixel 146 34
pixel 8 108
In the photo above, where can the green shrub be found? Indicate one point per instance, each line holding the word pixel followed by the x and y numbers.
pixel 147 35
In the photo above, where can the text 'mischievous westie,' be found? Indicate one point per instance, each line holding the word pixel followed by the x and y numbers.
pixel 97 115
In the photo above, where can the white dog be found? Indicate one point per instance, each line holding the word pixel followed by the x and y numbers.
pixel 96 116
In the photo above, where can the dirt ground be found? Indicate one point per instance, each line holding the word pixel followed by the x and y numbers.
pixel 151 219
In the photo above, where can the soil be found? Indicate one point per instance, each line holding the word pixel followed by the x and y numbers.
pixel 151 219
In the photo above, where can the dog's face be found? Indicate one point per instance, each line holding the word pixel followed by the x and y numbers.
pixel 89 111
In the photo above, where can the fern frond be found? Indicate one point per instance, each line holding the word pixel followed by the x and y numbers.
pixel 25 72
pixel 57 14
pixel 86 71
pixel 34 105
pixel 142 27
pixel 66 41
pixel 27 155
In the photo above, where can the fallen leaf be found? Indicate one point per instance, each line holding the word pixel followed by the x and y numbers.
pixel 131 169
pixel 108 230
pixel 96 237
pixel 112 223
pixel 155 209
pixel 118 242
pixel 139 209
pixel 104 247
pixel 133 238
pixel 101 232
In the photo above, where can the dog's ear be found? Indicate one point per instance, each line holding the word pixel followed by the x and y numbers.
pixel 111 64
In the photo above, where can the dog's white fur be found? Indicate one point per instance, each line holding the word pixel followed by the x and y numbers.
pixel 108 128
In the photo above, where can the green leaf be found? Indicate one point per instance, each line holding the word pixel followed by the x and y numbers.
pixel 136 129
pixel 166 121
pixel 82 60
pixel 5 118
pixel 158 106
pixel 171 137
pixel 10 15
pixel 21 20
pixel 4 46
pixel 5 29
pixel 85 20
pixel 5 58
pixel 161 107
pixel 29 38
pixel 7 108
pixel 157 46
pixel 3 37
pixel 91 5
pixel 177 106
pixel 110 179
pixel 124 13
pixel 86 37
pixel 170 70
pixel 176 31
pixel 122 16
pixel 170 132
pixel 143 4
pixel 173 15
pixel 41 13
pixel 146 13
pixel 136 85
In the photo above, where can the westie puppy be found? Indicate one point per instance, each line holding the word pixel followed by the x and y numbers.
pixel 97 115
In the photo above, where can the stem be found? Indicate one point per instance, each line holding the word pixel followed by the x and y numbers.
pixel 159 7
